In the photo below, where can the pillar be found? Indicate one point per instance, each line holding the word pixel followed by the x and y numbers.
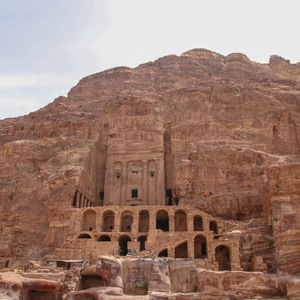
pixel 135 224
pixel 152 221
pixel 77 199
pixel 123 196
pixel 145 183
pixel 191 246
pixel 171 222
pixel 190 222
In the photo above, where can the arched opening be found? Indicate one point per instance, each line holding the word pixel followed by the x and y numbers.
pixel 162 220
pixel 49 295
pixel 123 250
pixel 200 246
pixel 222 254
pixel 241 217
pixel 104 238
pixel 108 221
pixel 126 221
pixel 181 251
pixel 198 224
pixel 142 239
pixel 163 253
pixel 88 282
pixel 89 220
pixel 144 221
pixel 84 236
pixel 180 221
pixel 213 226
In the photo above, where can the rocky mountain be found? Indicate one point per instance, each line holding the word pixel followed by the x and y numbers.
pixel 227 124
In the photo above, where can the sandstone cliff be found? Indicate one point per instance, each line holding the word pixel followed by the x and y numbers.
pixel 228 125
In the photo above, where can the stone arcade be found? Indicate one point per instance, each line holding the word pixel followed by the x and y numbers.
pixel 137 210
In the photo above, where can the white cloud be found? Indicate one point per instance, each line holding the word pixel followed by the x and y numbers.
pixel 15 81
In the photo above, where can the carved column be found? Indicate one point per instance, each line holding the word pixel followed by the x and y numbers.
pixel 145 183
pixel 81 200
pixel 171 222
pixel 77 199
pixel 152 221
pixel 123 197
pixel 135 224
pixel 191 251
pixel 190 225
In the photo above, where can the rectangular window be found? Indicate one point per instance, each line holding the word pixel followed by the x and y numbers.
pixel 134 193
pixel 101 195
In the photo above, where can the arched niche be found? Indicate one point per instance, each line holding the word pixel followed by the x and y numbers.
pixel 89 220
pixel 144 221
pixel 198 224
pixel 123 240
pixel 142 239
pixel 108 221
pixel 162 220
pixel 84 236
pixel 163 253
pixel 213 226
pixel 222 255
pixel 180 221
pixel 104 238
pixel 181 251
pixel 200 247
pixel 126 221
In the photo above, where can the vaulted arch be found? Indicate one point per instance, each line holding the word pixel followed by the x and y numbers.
pixel 89 220
pixel 222 254
pixel 162 220
pixel 126 221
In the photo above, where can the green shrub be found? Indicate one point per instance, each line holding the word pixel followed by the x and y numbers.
pixel 141 284
pixel 84 108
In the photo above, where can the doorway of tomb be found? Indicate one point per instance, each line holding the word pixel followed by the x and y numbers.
pixel 162 220
pixel 92 281
pixel 142 239
pixel 126 221
pixel 108 221
pixel 89 220
pixel 180 221
pixel 198 224
pixel 169 197
pixel 222 254
pixel 213 226
pixel 163 253
pixel 144 221
pixel 42 295
pixel 181 251
pixel 200 247
pixel 123 240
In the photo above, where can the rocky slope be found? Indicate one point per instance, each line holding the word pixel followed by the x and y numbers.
pixel 230 125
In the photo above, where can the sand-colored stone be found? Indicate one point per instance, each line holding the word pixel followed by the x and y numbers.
pixel 128 149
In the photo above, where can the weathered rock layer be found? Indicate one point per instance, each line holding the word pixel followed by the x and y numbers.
pixel 225 124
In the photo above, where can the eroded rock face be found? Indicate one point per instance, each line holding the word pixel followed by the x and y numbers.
pixel 197 122
pixel 240 284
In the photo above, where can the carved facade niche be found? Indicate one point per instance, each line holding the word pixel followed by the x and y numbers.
pixel 152 182
pixel 134 193
pixel 116 189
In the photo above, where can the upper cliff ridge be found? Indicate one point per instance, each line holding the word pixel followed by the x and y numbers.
pixel 196 122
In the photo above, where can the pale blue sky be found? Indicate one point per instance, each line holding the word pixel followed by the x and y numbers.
pixel 47 46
